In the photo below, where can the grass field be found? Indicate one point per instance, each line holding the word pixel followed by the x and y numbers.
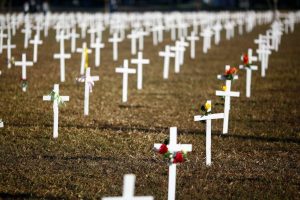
pixel 258 159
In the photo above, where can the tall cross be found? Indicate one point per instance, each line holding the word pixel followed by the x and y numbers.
pixel 97 46
pixel 183 44
pixel 125 71
pixel 173 147
pixel 208 119
pixel 249 70
pixel 227 94
pixel 128 190
pixel 206 34
pixel 217 29
pixel 88 84
pixel 92 32
pixel 9 46
pixel 166 54
pixel 27 34
pixel 115 39
pixel 36 41
pixel 61 38
pixel 57 100
pixel 23 64
pixel 192 38
pixel 84 51
pixel 140 61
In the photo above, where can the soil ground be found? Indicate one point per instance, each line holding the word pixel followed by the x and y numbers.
pixel 258 159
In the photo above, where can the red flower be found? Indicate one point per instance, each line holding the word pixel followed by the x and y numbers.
pixel 231 71
pixel 245 59
pixel 163 149
pixel 178 158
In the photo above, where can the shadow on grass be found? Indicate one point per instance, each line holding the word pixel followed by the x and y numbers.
pixel 131 128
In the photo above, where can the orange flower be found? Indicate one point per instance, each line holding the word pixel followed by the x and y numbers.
pixel 231 71
pixel 245 59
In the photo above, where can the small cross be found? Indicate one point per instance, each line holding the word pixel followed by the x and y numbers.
pixel 97 46
pixel 9 46
pixel 166 54
pixel 115 39
pixel 192 38
pixel 23 64
pixel 36 41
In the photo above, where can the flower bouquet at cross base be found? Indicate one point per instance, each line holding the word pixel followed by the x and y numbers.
pixel 55 96
pixel 229 74
pixel 246 61
pixel 24 83
pixel 171 158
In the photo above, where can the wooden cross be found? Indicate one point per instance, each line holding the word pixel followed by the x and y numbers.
pixel 23 64
pixel 140 61
pixel 227 94
pixel 208 119
pixel 166 54
pixel 173 147
pixel 36 41
pixel 128 190
pixel 115 39
pixel 192 38
pixel 56 101
pixel 88 84
pixel 84 50
pixel 125 71
pixel 97 46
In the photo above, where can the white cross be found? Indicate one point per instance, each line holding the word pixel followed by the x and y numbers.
pixel 141 35
pixel 227 94
pixel 88 84
pixel 56 100
pixel 208 119
pixel 1 124
pixel 27 35
pixel 97 46
pixel 83 50
pixel 251 58
pixel 140 61
pixel 9 46
pixel 73 36
pixel 217 29
pixel 23 64
pixel 264 53
pixel 248 77
pixel 183 44
pixel 128 190
pixel 178 50
pixel 229 26
pixel 115 39
pixel 133 36
pixel 62 56
pixel 2 35
pixel 166 54
pixel 173 147
pixel 125 70
pixel 92 32
pixel 36 41
pixel 192 38
pixel 206 34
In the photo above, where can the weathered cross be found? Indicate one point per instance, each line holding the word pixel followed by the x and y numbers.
pixel 140 61
pixel 125 71
pixel 23 64
pixel 173 147
pixel 57 100
pixel 128 190
pixel 208 119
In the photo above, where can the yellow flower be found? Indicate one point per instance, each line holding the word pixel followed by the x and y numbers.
pixel 86 57
pixel 207 106
pixel 224 88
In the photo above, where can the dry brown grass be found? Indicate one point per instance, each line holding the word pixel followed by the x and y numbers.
pixel 259 159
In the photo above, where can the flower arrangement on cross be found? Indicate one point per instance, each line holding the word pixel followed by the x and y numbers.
pixel 172 158
pixel 229 74
pixel 246 60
